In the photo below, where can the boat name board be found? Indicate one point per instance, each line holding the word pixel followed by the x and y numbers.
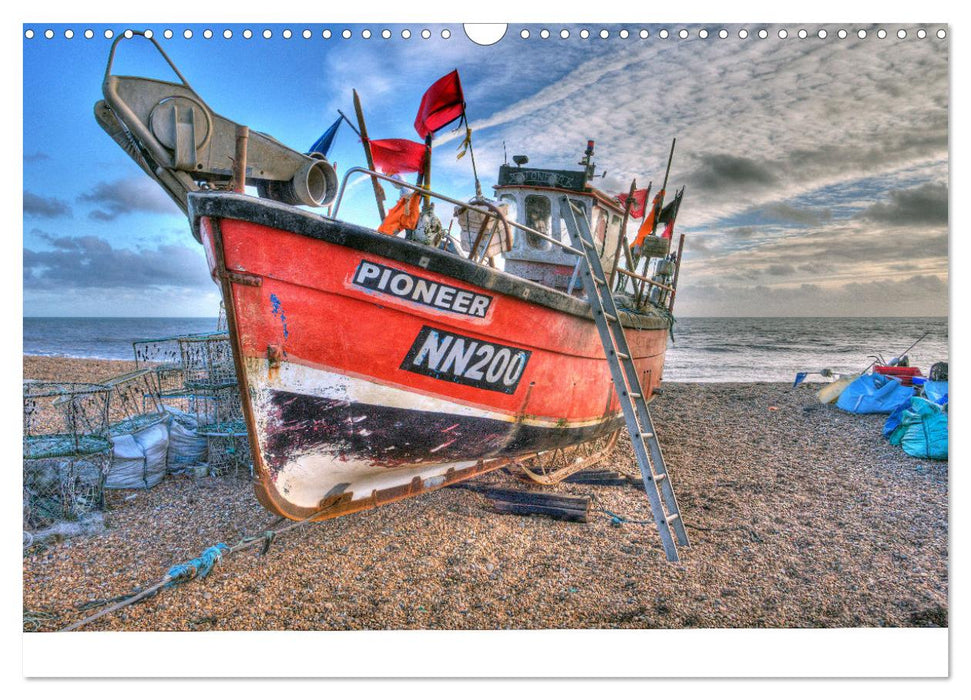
pixel 404 285
pixel 470 361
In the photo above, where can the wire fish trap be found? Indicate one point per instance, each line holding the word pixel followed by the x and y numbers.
pixel 65 487
pixel 66 452
pixel 163 357
pixel 228 448
pixel 222 406
pixel 133 402
pixel 207 361
pixel 63 417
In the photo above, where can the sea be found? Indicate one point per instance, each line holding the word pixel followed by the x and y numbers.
pixel 703 349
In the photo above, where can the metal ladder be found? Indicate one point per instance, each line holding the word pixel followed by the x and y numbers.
pixel 657 482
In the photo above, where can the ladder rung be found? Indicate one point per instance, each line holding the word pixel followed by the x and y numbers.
pixel 587 243
pixel 598 280
pixel 659 477
pixel 622 355
pixel 633 394
pixel 610 317
pixel 647 436
pixel 672 517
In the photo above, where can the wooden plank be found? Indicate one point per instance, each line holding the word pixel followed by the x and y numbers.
pixel 555 512
pixel 535 497
pixel 600 477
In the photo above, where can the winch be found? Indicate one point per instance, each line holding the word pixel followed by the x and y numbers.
pixel 178 140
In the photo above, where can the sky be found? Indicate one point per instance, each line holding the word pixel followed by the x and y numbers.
pixel 816 169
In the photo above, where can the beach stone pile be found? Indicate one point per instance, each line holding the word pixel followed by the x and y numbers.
pixel 800 515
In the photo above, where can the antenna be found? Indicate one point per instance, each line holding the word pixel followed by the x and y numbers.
pixel 505 158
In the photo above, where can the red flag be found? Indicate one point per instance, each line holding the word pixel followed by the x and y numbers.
pixel 647 228
pixel 640 201
pixel 441 104
pixel 393 156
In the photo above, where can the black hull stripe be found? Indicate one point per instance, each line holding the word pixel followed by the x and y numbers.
pixel 397 437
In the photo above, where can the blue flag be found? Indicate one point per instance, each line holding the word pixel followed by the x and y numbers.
pixel 800 376
pixel 323 144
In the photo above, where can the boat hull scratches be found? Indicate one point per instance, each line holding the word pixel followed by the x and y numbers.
pixel 373 433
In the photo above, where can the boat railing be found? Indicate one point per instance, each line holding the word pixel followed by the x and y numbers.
pixel 486 211
pixel 644 281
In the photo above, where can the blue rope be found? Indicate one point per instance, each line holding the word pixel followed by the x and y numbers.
pixel 198 567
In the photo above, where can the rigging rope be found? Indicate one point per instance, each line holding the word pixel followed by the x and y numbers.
pixel 199 567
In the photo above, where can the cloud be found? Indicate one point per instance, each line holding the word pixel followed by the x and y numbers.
pixel 126 196
pixel 780 270
pixel 926 295
pixel 723 172
pixel 924 205
pixel 44 207
pixel 786 212
pixel 83 262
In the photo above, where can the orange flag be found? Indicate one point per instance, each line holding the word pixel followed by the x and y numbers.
pixel 403 215
pixel 647 228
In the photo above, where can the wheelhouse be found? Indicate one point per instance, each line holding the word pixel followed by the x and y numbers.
pixel 532 198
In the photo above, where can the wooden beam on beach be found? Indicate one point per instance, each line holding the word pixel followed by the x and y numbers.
pixel 602 477
pixel 570 508
pixel 552 505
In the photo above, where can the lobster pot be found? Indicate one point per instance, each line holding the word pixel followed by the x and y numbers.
pixel 493 233
pixel 207 361
pixel 70 411
pixel 64 487
pixel 156 351
pixel 217 406
pixel 133 401
pixel 162 357
pixel 229 452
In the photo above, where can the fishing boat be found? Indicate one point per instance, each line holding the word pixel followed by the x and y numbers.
pixel 373 367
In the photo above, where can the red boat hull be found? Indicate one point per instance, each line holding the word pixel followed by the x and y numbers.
pixel 372 368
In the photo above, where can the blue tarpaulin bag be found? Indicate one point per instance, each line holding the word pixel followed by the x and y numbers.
pixel 893 420
pixel 936 392
pixel 923 430
pixel 874 393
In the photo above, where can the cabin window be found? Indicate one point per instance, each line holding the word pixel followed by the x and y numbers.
pixel 538 216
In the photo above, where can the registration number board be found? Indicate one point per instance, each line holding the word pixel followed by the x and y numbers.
pixel 456 358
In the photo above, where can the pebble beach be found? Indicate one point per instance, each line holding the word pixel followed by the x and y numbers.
pixel 800 515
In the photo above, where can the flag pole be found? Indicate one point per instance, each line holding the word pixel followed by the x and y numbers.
pixel 635 261
pixel 349 123
pixel 677 271
pixel 378 190
pixel 665 185
pixel 468 136
pixel 622 237
pixel 427 175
